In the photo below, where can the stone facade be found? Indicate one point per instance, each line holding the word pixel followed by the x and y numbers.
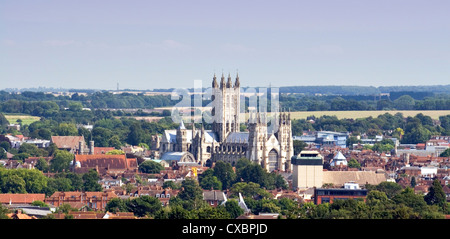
pixel 271 147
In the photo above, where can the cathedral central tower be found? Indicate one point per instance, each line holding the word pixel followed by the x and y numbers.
pixel 226 106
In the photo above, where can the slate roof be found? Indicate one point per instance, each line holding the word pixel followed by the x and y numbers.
pixel 237 136
pixel 339 156
pixel 210 136
pixel 214 195
pixel 170 156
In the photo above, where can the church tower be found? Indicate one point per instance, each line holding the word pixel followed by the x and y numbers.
pixel 182 138
pixel 225 106
pixel 257 127
pixel 284 136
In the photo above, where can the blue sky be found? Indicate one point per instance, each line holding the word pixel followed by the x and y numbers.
pixel 165 44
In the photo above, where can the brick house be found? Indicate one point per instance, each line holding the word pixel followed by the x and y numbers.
pixel 163 195
pixel 214 197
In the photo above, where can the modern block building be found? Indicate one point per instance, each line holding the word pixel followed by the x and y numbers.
pixel 328 195
pixel 307 170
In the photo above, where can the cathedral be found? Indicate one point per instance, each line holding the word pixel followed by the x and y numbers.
pixel 271 147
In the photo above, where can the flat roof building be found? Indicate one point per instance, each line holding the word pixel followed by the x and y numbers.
pixel 307 170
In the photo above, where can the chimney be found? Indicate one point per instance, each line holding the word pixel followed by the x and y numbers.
pixel 81 147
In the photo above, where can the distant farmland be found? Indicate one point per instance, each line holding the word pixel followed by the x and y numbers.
pixel 26 119
pixel 434 114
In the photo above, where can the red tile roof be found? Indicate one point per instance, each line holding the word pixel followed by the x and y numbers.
pixel 104 162
pixel 102 150
pixel 16 198
pixel 67 142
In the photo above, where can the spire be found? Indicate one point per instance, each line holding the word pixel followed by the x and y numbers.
pixel 229 83
pixel 214 83
pixel 181 125
pixel 222 81
pixel 237 83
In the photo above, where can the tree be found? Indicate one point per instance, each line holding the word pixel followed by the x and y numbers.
pixel 375 198
pixel 30 149
pixel 39 204
pixel 66 208
pixel 249 190
pixel 149 166
pixel 353 163
pixel 404 102
pixel 42 165
pixel 90 181
pixel 446 153
pixel 136 134
pixel 5 145
pixel 115 152
pixel 352 140
pixel 67 129
pixel 115 142
pixel 22 181
pixel 298 146
pixel 144 206
pixel 174 211
pixel 58 184
pixel 391 189
pixel 232 207
pixel 4 212
pixel 208 181
pixel 413 182
pixel 191 192
pixel 61 161
pixel 224 173
pixel 75 179
pixel 436 196
pixel 408 198
pixel 13 184
pixel 252 173
pixel 3 122
pixel 116 205
pixel 75 106
pixel 171 184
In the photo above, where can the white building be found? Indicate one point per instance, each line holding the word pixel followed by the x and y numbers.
pixel 338 160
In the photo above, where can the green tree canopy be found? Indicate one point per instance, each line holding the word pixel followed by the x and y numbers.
pixel 61 161
pixel 149 166
pixel 436 196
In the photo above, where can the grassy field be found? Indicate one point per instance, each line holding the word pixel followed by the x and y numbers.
pixel 26 119
pixel 434 114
